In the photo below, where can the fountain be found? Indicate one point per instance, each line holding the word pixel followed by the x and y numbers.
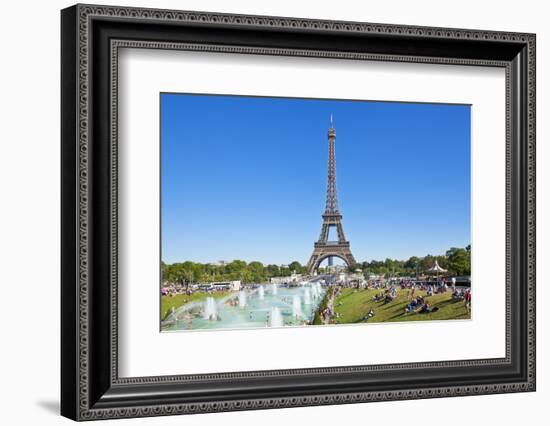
pixel 247 309
pixel 242 299
pixel 314 291
pixel 307 296
pixel 296 306
pixel 210 309
pixel 276 317
pixel 318 289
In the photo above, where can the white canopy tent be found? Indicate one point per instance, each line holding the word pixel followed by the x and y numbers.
pixel 436 269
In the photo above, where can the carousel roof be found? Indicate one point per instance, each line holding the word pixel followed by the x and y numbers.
pixel 436 268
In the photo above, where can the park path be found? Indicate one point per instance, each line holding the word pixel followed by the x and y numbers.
pixel 330 306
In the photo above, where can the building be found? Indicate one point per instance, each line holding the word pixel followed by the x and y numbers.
pixel 227 285
pixel 346 278
pixel 219 285
pixel 293 278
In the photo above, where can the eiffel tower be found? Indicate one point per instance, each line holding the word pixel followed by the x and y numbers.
pixel 323 248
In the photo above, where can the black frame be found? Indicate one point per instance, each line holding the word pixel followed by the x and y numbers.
pixel 90 386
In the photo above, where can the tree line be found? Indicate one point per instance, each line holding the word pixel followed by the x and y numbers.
pixel 253 272
pixel 455 260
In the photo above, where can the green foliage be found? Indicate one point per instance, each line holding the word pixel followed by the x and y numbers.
pixel 297 267
pixel 455 260
pixel 354 267
pixel 254 272
pixel 459 260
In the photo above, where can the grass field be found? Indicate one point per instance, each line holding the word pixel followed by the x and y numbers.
pixel 167 302
pixel 353 305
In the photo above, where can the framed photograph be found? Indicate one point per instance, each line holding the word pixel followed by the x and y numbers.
pixel 263 212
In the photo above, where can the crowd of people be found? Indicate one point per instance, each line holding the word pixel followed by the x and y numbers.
pixel 419 295
pixel 416 302
pixel 420 305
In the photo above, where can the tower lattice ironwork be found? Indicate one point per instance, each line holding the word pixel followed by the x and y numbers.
pixel 323 248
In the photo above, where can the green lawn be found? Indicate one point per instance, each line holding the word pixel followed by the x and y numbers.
pixel 167 302
pixel 353 305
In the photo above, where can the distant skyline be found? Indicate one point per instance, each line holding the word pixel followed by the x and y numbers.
pixel 245 177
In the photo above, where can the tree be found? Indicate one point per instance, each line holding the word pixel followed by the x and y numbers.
pixel 256 271
pixel 412 263
pixel 297 267
pixel 456 261
pixel 426 262
pixel 273 270
pixel 354 266
pixel 459 261
pixel 256 267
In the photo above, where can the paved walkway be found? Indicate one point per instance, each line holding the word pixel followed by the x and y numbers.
pixel 330 305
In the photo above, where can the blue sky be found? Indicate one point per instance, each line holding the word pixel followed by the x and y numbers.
pixel 245 177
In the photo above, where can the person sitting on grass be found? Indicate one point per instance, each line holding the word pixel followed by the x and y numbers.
pixel 426 309
pixel 418 301
pixel 390 295
pixel 369 315
pixel 410 307
pixel 457 294
pixel 378 297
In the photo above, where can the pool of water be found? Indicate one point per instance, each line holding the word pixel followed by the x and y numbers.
pixel 265 306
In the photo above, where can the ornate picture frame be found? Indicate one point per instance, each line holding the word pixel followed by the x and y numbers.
pixel 90 39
